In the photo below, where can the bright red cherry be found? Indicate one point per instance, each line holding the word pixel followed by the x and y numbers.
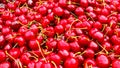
pixel 71 63
pixel 102 61
pixel 58 11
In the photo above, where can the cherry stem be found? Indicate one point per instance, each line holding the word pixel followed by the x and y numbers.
pixel 104 26
pixel 15 45
pixel 19 66
pixel 90 16
pixel 34 58
pixel 54 64
pixel 103 48
pixel 112 14
pixel 34 54
pixel 40 49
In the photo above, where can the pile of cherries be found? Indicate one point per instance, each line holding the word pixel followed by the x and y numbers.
pixel 60 34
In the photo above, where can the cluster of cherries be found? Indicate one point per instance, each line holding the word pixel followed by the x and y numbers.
pixel 60 34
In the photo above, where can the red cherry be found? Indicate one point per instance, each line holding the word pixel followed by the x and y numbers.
pixel 2 55
pixel 33 44
pixel 29 35
pixel 15 52
pixel 46 65
pixel 116 64
pixel 71 63
pixel 19 40
pixel 102 61
pixel 58 11
pixel 62 45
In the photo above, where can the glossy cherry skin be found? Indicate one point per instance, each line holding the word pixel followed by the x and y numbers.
pixel 71 63
pixel 64 54
pixel 84 3
pixel 15 52
pixel 102 61
pixel 116 63
pixel 42 10
pixel 51 44
pixel 2 55
pixel 2 40
pixel 6 30
pixel 74 46
pixel 58 11
pixel 102 19
pixel 24 58
pixel 33 44
pixel 94 46
pixel 46 65
pixel 5 64
pixel 89 53
pixel 63 45
pixel 19 40
pixel 59 29
pixel 55 57
pixel 89 62
pixel 98 36
pixel 38 64
pixel 79 11
pixel 29 35
pixel 31 65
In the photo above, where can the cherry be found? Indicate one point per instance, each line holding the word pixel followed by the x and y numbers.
pixel 6 30
pixel 71 63
pixel 38 17
pixel 58 11
pixel 24 10
pixel 71 7
pixel 24 58
pixel 102 61
pixel 116 64
pixel 33 44
pixel 107 46
pixel 46 65
pixel 42 10
pixel 2 40
pixel 51 44
pixel 31 65
pixel 98 36
pixel 56 58
pixel 8 46
pixel 59 29
pixel 29 35
pixel 89 53
pixel 15 52
pixel 38 64
pixel 18 11
pixel 50 16
pixel 83 40
pixel 34 28
pixel 49 31
pixel 115 39
pixel 84 3
pixel 62 45
pixel 89 62
pixel 45 22
pixel 5 64
pixel 75 46
pixel 97 25
pixel 93 46
pixel 19 40
pixel 102 19
pixel 63 54
pixel 3 56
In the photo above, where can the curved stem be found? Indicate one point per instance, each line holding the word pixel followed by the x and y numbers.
pixel 19 66
pixel 40 49
pixel 54 64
